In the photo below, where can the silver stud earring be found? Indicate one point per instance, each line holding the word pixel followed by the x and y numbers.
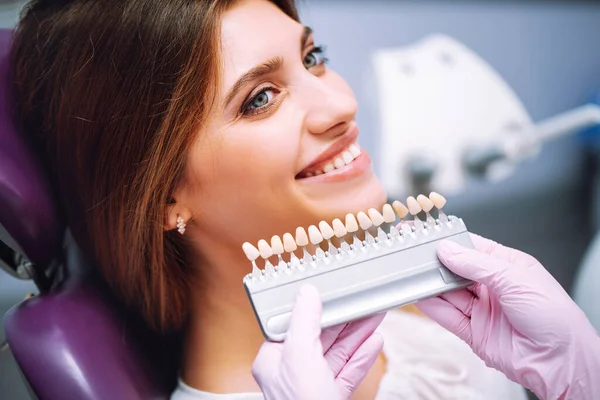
pixel 180 225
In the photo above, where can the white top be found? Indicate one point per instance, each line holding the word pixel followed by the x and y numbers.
pixel 424 361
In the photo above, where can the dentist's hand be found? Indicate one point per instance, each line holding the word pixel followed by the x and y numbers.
pixel 313 365
pixel 519 320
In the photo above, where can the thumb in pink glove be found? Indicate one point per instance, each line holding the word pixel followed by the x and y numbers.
pixel 313 365
pixel 519 320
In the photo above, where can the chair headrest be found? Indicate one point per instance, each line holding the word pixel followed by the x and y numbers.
pixel 27 210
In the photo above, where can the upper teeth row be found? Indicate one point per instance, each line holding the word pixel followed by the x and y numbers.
pixel 345 158
pixel 325 231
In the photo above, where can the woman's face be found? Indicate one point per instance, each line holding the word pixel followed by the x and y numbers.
pixel 283 121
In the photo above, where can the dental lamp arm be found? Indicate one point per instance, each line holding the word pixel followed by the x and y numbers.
pixel 477 160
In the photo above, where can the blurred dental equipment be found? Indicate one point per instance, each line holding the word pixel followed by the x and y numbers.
pixel 445 114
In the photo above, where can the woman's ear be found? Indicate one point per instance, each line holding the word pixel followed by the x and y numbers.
pixel 177 217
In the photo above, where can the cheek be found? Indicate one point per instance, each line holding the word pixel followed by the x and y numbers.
pixel 237 177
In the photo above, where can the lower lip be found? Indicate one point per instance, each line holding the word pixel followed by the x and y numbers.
pixel 356 168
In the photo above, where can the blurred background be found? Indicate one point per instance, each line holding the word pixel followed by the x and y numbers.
pixel 546 51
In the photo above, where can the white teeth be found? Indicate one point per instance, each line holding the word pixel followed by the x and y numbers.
pixel 351 224
pixel 438 200
pixel 354 150
pixel 364 221
pixel 318 173
pixel 309 174
pixel 328 168
pixel 413 205
pixel 375 216
pixel 265 250
pixel 338 228
pixel 301 237
pixel 315 235
pixel 289 244
pixel 276 245
pixel 251 252
pixel 425 203
pixel 388 214
pixel 338 163
pixel 326 230
pixel 400 209
pixel 347 157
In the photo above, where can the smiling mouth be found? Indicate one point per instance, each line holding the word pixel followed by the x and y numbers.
pixel 340 160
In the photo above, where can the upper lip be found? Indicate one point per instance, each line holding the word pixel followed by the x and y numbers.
pixel 348 138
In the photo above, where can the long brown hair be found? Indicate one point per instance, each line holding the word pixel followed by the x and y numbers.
pixel 112 94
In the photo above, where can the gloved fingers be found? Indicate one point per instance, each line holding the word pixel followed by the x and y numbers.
pixel 472 264
pixel 448 316
pixel 501 252
pixel 461 299
pixel 330 335
pixel 357 367
pixel 305 323
pixel 349 340
pixel 267 361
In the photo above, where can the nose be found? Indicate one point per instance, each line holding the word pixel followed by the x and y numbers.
pixel 330 106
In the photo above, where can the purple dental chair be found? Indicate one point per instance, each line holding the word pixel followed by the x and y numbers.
pixel 73 340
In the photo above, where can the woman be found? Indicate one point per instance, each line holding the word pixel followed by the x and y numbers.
pixel 175 131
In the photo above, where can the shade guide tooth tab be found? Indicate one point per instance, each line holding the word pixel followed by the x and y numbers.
pixel 413 205
pixel 400 209
pixel 289 244
pixel 425 203
pixel 375 217
pixel 380 274
pixel 364 221
pixel 314 235
pixel 265 250
pixel 326 230
pixel 251 252
pixel 351 223
pixel 437 199
pixel 277 245
pixel 339 228
pixel 301 237
pixel 388 214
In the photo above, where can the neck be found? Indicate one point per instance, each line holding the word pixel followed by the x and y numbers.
pixel 222 336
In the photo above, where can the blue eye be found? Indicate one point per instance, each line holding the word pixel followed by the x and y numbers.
pixel 314 58
pixel 260 100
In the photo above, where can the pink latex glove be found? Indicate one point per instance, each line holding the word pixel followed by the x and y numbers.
pixel 519 320
pixel 313 365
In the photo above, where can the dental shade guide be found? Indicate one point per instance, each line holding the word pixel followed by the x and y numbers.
pixel 370 276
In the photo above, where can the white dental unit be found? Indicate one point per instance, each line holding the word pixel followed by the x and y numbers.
pixel 445 115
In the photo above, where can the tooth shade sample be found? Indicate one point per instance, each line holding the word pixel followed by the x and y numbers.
pixel 364 221
pixel 351 224
pixel 375 217
pixel 400 209
pixel 425 203
pixel 328 168
pixel 276 245
pixel 354 150
pixel 251 252
pixel 338 228
pixel 326 230
pixel 347 157
pixel 289 244
pixel 338 163
pixel 388 214
pixel 301 237
pixel 314 234
pixel 438 200
pixel 265 250
pixel 413 205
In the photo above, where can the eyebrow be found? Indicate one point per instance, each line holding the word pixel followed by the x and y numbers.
pixel 270 66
